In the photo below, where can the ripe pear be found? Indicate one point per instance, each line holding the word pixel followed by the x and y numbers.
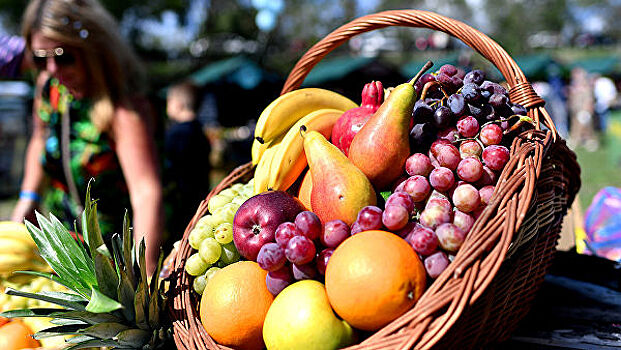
pixel 340 189
pixel 301 318
pixel 382 146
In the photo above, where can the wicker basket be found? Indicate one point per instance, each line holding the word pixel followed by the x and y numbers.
pixel 489 287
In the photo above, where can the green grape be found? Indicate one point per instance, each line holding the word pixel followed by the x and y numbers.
pixel 226 213
pixel 207 220
pixel 224 233
pixel 210 250
pixel 218 201
pixel 247 191
pixel 228 192
pixel 237 187
pixel 238 201
pixel 199 234
pixel 229 254
pixel 250 183
pixel 199 284
pixel 209 274
pixel 195 265
pixel 220 264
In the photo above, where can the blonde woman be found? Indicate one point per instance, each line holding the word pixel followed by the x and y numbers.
pixel 90 121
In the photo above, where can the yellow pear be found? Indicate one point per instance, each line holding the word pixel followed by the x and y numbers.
pixel 301 318
pixel 340 189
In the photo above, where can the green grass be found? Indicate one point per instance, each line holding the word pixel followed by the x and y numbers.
pixel 601 168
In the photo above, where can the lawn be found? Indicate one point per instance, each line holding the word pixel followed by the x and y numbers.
pixel 601 168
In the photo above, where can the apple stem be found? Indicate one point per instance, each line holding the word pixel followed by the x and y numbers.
pixel 422 71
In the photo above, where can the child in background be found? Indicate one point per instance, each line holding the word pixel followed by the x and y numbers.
pixel 187 149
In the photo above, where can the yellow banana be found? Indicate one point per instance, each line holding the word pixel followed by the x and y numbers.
pixel 289 161
pixel 15 230
pixel 12 262
pixel 258 149
pixel 287 109
pixel 262 171
pixel 16 246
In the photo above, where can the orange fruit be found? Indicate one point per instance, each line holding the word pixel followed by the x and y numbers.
pixel 234 305
pixel 372 278
pixel 306 187
pixel 16 335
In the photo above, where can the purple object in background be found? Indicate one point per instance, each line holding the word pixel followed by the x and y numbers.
pixel 11 55
pixel 602 224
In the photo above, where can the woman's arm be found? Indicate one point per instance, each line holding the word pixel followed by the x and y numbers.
pixel 33 171
pixel 135 148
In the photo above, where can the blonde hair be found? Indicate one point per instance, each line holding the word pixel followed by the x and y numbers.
pixel 111 66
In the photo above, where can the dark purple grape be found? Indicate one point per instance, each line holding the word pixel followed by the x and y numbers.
pixel 518 109
pixel 448 69
pixel 421 136
pixel 277 280
pixel 457 104
pixel 503 111
pixel 447 83
pixel 322 260
pixel 422 112
pixel 442 117
pixel 423 240
pixel 334 232
pixel 271 257
pixel 480 111
pixel 369 218
pixel 304 271
pixel 457 82
pixel 471 92
pixel 427 77
pixel 493 88
pixel 309 224
pixel 497 100
pixel 476 77
pixel 436 263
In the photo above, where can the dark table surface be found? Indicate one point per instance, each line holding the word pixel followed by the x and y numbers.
pixel 577 307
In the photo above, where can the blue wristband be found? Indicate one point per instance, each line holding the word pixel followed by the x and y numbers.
pixel 30 195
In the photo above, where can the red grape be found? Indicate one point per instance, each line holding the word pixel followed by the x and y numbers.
pixel 418 164
pixel 489 177
pixel 486 194
pixel 304 271
pixel 449 134
pixel 450 237
pixel 434 216
pixel 334 232
pixel 468 126
pixel 271 257
pixel 442 179
pixel 491 134
pixel 403 199
pixel 322 260
pixel 423 240
pixel 300 250
pixel 395 217
pixel 417 187
pixel 405 231
pixel 437 144
pixel 284 232
pixel 448 156
pixel 309 224
pixel 448 69
pixel 370 218
pixel 435 264
pixel 355 228
pixel 466 198
pixel 463 220
pixel 495 157
pixel 470 169
pixel 277 280
pixel 470 148
pixel 439 201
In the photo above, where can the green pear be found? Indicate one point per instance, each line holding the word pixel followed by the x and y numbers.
pixel 301 318
pixel 340 189
pixel 382 145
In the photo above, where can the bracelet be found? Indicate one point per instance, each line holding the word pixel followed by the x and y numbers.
pixel 34 196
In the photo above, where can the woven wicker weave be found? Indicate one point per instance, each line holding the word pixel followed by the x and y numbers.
pixel 488 288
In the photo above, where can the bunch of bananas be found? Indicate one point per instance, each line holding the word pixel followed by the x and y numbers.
pixel 278 150
pixel 18 252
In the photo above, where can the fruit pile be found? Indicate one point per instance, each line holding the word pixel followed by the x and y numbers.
pixel 374 200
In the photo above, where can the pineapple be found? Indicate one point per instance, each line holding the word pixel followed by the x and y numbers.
pixel 110 302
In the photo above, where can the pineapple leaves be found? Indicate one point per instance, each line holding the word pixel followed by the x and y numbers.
pixel 107 278
pixel 100 303
pixel 154 305
pixel 60 250
pixel 69 301
pixel 41 312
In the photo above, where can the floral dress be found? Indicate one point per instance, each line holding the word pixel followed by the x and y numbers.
pixel 92 155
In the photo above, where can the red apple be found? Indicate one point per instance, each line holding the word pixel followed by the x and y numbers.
pixel 257 218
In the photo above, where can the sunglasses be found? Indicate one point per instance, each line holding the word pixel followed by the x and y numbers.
pixel 61 57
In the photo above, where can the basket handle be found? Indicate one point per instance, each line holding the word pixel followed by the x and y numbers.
pixel 520 90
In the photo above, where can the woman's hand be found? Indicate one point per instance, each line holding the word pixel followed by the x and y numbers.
pixel 25 209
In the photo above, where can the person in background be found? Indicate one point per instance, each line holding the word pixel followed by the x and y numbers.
pixel 187 151
pixel 13 62
pixel 605 93
pixel 581 107
pixel 91 120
